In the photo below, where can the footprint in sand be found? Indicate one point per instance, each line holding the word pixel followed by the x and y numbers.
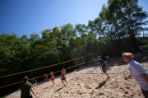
pixel 101 94
pixel 126 92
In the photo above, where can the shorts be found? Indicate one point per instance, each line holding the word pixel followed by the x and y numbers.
pixel 145 93
pixel 104 69
pixel 63 78
pixel 52 79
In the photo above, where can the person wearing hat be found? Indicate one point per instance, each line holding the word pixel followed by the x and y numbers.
pixel 137 72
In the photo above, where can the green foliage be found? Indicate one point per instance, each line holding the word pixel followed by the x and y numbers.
pixel 54 45
pixel 113 31
pixel 123 20
pixel 9 49
pixel 145 44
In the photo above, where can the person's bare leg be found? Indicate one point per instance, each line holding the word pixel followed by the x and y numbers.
pixel 53 85
pixel 108 77
pixel 63 82
pixel 53 82
pixel 66 81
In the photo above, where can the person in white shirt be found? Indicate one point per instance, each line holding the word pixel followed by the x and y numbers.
pixel 137 72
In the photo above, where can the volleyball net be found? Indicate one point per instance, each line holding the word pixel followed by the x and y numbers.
pixel 38 73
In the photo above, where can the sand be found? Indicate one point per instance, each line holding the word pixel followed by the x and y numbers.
pixel 90 83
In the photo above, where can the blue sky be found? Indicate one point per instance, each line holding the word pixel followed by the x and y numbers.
pixel 28 16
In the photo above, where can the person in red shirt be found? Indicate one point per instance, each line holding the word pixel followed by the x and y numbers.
pixel 63 78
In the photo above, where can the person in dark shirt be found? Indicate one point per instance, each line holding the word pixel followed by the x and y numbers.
pixel 103 65
pixel 26 89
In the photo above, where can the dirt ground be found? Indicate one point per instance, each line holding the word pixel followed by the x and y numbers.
pixel 90 83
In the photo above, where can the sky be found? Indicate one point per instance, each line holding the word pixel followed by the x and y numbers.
pixel 23 17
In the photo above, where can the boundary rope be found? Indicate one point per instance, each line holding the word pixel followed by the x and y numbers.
pixel 19 82
pixel 38 68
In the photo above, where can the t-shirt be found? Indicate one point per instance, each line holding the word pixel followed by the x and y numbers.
pixel 62 74
pixel 136 70
pixel 52 76
pixel 25 90
pixel 101 62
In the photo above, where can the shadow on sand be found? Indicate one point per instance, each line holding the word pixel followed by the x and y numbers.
pixel 102 84
pixel 59 89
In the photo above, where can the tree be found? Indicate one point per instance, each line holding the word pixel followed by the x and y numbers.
pixel 9 49
pixel 114 30
pixel 124 20
pixel 97 27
